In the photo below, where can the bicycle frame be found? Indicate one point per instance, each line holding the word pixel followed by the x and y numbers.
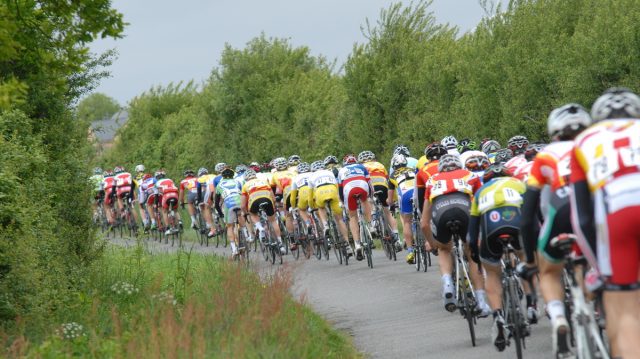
pixel 365 236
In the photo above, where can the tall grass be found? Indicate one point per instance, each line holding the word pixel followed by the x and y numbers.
pixel 137 305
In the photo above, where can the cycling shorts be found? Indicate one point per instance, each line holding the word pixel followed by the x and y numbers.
pixel 449 207
pixel 494 223
pixel 350 194
pixel 151 199
pixel 303 197
pixel 556 222
pixel 123 191
pixel 406 202
pixel 254 208
pixel 230 214
pixel 191 197
pixel 328 192
pixel 383 196
pixel 170 198
pixel 619 258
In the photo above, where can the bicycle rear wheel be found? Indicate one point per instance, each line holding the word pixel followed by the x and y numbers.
pixel 337 245
pixel 469 308
pixel 417 257
pixel 365 237
pixel 515 317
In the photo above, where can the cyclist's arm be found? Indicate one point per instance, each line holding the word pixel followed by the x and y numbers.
pixel 425 220
pixel 181 194
pixel 582 205
pixel 216 202
pixel 472 235
pixel 528 227
pixel 199 190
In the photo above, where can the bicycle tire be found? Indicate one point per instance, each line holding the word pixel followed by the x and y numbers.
pixel 337 244
pixel 365 237
pixel 427 260
pixel 417 257
pixel 316 248
pixel 469 309
pixel 225 238
pixel 516 317
pixel 296 252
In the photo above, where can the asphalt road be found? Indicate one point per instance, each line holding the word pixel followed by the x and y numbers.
pixel 391 311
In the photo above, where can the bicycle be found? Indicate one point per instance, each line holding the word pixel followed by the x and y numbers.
pixel 300 237
pixel 512 292
pixel 243 247
pixel 422 256
pixel 128 218
pixel 283 230
pixel 221 233
pixel 365 236
pixel 584 329
pixel 340 245
pixel 383 228
pixel 202 225
pixel 465 295
pixel 317 236
pixel 173 225
pixel 269 246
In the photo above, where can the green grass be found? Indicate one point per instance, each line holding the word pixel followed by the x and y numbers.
pixel 180 305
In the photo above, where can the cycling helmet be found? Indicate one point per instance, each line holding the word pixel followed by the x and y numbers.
pixel 280 163
pixel 118 169
pixel 497 169
pixel 317 165
pixel 503 155
pixel 466 145
pixel 449 142
pixel 219 167
pixel 160 174
pixel 140 168
pixel 366 156
pixel 490 146
pixel 518 144
pixel 108 173
pixel 567 121
pixel 533 149
pixel 401 149
pixel 146 176
pixel 475 160
pixel 434 151
pixel 349 159
pixel 249 174
pixel 399 161
pixel 202 171
pixel 330 160
pixel 227 172
pixel 266 167
pixel 304 167
pixel 449 163
pixel 255 166
pixel 188 172
pixel 294 160
pixel 616 102
pixel 240 168
pixel 97 171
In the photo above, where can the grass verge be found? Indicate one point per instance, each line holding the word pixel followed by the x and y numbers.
pixel 137 305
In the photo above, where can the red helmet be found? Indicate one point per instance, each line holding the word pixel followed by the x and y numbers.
pixel 349 158
pixel 146 176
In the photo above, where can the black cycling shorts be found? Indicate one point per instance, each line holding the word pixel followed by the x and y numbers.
pixel 557 222
pixel 446 208
pixel 383 196
pixel 269 209
pixel 494 223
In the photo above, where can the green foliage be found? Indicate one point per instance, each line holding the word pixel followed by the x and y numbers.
pixel 96 107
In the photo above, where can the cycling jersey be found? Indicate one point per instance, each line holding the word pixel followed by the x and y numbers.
pixel 515 163
pixel 96 182
pixel 459 180
pixel 498 192
pixel 411 163
pixel 107 184
pixel 422 161
pixel 124 183
pixel 255 189
pixel 522 173
pixel 168 192
pixel 325 188
pixel 301 193
pixel 377 173
pixel 146 190
pixel 606 157
pixel 281 181
pixel 403 180
pixel 240 179
pixel 354 182
pixel 229 191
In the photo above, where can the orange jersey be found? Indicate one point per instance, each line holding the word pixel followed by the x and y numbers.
pixel 282 181
pixel 450 182
pixel 551 166
pixel 256 188
pixel 426 172
pixel 378 173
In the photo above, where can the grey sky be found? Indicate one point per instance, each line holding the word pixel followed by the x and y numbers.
pixel 169 41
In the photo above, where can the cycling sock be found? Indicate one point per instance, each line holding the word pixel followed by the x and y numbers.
pixel 325 224
pixel 395 231
pixel 259 226
pixel 497 313
pixel 480 296
pixel 233 246
pixel 555 308
pixel 529 300
pixel 446 279
pixel 193 219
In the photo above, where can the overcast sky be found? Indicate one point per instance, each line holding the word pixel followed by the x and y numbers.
pixel 170 41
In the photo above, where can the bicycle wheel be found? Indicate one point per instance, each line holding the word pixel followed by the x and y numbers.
pixel 337 244
pixel 365 236
pixel 296 252
pixel 469 308
pixel 317 247
pixel 417 256
pixel 225 239
pixel 516 317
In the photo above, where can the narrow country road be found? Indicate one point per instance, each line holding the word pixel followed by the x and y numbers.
pixel 391 311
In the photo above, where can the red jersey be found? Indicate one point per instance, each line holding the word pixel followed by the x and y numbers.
pixel 551 166
pixel 426 172
pixel 108 183
pixel 124 179
pixel 450 182
pixel 189 184
pixel 166 185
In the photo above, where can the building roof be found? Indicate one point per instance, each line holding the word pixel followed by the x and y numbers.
pixel 105 130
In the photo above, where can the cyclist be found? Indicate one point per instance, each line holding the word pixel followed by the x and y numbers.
pixel 605 175
pixel 503 156
pixel 145 191
pixel 139 172
pixel 168 196
pixel 355 183
pixel 432 152
pixel 490 147
pixel 188 187
pixel 403 181
pixel 380 182
pixel 324 187
pixel 301 194
pixel 475 161
pixel 281 185
pixel 227 198
pixel 98 192
pixel 331 163
pixel 448 197
pixel 239 173
pixel 466 144
pixel 293 162
pixel 451 144
pixel 265 172
pixel 522 172
pixel 109 184
pixel 125 189
pixel 518 146
pixel 404 150
pixel 202 188
pixel 495 211
pixel 551 167
pixel 255 192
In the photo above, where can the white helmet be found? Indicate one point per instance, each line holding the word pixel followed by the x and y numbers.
pixel 449 162
pixel 617 102
pixel 280 163
pixel 449 142
pixel 567 119
pixel 398 161
pixel 140 168
pixel 474 160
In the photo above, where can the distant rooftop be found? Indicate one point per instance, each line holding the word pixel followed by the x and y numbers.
pixel 105 130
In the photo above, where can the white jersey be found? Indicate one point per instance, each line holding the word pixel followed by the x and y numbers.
pixel 322 177
pixel 301 180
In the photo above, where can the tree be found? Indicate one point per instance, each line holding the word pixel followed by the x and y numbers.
pixel 95 107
